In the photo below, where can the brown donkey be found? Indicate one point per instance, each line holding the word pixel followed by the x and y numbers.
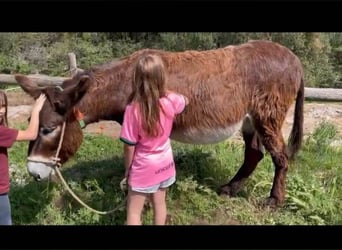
pixel 249 86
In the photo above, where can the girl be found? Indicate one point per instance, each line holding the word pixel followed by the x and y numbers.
pixel 145 131
pixel 7 137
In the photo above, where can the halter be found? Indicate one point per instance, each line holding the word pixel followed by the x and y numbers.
pixel 55 164
pixel 54 161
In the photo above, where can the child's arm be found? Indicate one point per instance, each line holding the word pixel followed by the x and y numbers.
pixel 185 98
pixel 32 130
pixel 128 154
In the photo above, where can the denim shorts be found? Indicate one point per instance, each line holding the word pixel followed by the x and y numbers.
pixel 5 210
pixel 155 188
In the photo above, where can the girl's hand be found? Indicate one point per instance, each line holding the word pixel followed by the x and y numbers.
pixel 39 103
pixel 124 181
pixel 123 185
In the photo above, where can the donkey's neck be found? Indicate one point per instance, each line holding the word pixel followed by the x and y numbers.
pixel 106 98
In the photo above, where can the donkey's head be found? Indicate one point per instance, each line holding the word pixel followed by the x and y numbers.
pixel 57 111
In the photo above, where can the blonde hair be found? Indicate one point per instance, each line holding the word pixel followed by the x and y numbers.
pixel 148 87
pixel 4 103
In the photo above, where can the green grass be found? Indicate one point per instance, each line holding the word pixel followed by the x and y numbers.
pixel 314 193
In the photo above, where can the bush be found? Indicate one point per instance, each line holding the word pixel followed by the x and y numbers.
pixel 46 53
pixel 186 41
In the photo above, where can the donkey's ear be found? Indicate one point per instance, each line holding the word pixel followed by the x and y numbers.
pixel 77 92
pixel 70 96
pixel 28 86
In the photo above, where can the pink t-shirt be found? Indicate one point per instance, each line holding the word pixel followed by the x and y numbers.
pixel 153 158
pixel 7 138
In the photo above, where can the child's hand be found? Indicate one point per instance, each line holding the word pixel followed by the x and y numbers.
pixel 39 103
pixel 123 184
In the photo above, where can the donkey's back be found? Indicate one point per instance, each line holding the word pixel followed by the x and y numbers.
pixel 249 86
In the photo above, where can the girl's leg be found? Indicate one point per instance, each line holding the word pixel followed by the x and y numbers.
pixel 159 206
pixel 135 204
pixel 5 210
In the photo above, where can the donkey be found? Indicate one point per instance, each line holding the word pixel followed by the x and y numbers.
pixel 249 86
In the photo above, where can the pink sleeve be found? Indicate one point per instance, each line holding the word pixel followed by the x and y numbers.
pixel 130 128
pixel 178 102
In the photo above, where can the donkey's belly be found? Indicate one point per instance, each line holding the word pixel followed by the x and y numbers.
pixel 205 135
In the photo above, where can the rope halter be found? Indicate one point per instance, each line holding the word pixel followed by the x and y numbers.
pixel 54 162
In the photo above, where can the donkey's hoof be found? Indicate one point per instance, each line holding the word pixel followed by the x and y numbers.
pixel 227 190
pixel 272 202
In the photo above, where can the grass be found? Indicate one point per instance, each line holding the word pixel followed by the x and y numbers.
pixel 314 193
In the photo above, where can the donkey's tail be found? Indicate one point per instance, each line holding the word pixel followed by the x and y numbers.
pixel 296 136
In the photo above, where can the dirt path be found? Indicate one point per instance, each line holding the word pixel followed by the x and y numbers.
pixel 314 113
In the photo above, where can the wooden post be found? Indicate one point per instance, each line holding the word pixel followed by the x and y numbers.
pixel 73 65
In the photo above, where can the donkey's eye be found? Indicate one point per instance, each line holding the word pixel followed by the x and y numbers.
pixel 46 131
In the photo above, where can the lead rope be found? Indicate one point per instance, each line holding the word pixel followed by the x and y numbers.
pixel 56 168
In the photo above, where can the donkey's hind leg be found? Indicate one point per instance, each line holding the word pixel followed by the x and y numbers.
pixel 253 154
pixel 271 136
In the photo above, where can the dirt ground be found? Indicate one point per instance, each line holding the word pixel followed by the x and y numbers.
pixel 20 105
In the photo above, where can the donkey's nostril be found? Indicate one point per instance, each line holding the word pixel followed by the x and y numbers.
pixel 37 177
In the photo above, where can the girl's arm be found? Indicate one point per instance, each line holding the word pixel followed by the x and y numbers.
pixel 32 130
pixel 128 154
pixel 185 98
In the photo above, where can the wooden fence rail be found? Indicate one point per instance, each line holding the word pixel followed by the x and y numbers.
pixel 323 94
pixel 315 94
pixel 41 80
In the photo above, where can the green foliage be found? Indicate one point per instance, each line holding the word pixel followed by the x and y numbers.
pixel 86 53
pixel 314 188
pixel 318 62
pixel 26 52
pixel 123 48
pixel 46 53
pixel 322 137
pixel 7 42
pixel 336 55
pixel 6 63
pixel 10 65
pixel 186 41
pixel 193 201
